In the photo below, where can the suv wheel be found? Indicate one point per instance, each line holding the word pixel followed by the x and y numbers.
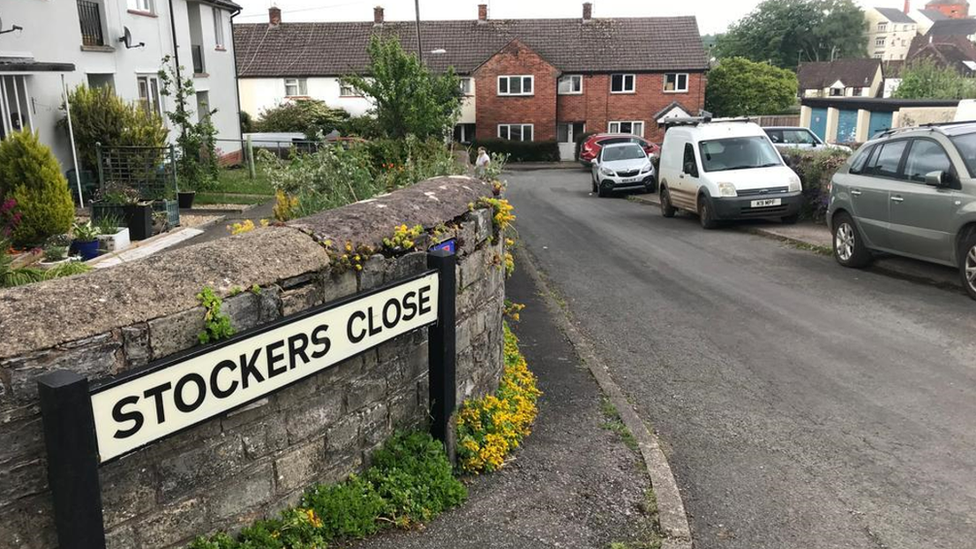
pixel 667 210
pixel 967 264
pixel 705 215
pixel 849 249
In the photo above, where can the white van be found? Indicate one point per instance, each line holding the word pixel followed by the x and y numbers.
pixel 725 170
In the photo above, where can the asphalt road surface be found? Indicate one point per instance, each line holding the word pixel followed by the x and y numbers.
pixel 803 405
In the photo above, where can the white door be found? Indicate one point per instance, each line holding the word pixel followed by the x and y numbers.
pixel 566 136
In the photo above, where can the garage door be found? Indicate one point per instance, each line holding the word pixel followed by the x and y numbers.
pixel 880 122
pixel 846 126
pixel 818 122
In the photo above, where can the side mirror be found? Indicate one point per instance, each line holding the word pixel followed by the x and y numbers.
pixel 937 178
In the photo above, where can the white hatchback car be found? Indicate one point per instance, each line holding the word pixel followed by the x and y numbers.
pixel 622 166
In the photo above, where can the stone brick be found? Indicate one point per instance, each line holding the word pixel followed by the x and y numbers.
pixel 301 299
pixel 244 310
pixel 473 268
pixel 314 419
pixel 364 391
pixel 307 279
pixel 296 468
pixel 175 333
pixel 121 537
pixel 254 412
pixel 244 492
pixel 343 437
pixel 135 345
pixel 174 523
pixel 339 285
pixel 128 489
pixel 375 424
pixel 22 439
pixel 408 265
pixel 94 357
pixel 22 478
pixel 199 467
pixel 373 274
pixel 263 438
pixel 28 524
pixel 405 409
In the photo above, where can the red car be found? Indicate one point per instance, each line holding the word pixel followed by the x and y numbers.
pixel 591 147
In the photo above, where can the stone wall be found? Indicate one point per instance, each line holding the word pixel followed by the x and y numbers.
pixel 253 461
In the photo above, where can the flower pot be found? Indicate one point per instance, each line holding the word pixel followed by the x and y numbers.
pixel 48 265
pixel 117 242
pixel 101 210
pixel 138 218
pixel 87 250
pixel 186 199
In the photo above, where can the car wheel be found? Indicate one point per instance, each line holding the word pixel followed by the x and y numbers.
pixel 790 219
pixel 849 249
pixel 651 187
pixel 705 215
pixel 602 191
pixel 967 264
pixel 667 210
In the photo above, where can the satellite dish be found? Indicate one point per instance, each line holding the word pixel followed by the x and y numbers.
pixel 127 39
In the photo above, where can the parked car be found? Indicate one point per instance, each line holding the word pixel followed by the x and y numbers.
pixel 621 167
pixel 591 147
pixel 910 192
pixel 725 170
pixel 789 137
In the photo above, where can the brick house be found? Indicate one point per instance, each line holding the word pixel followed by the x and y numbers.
pixel 524 79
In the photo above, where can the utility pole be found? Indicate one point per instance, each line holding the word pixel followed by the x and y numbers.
pixel 420 44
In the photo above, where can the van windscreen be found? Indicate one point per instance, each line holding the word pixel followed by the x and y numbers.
pixel 737 153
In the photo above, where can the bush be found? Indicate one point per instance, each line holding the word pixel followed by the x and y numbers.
pixel 367 127
pixel 311 117
pixel 580 139
pixel 815 168
pixel 520 151
pixel 100 116
pixel 31 176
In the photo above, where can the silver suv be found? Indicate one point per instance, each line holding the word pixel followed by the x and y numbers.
pixel 910 192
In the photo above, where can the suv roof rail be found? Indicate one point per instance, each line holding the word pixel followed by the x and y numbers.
pixel 936 126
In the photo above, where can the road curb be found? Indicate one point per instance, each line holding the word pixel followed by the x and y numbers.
pixel 671 510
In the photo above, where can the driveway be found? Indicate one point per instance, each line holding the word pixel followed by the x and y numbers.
pixel 803 405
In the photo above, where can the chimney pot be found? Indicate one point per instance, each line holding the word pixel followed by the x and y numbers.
pixel 378 15
pixel 274 16
pixel 587 11
pixel 482 13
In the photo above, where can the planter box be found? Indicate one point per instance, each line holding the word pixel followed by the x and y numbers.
pixel 186 199
pixel 117 242
pixel 138 217
pixel 101 210
pixel 172 209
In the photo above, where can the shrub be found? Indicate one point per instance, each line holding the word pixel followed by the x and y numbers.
pixel 348 510
pixel 815 168
pixel 311 117
pixel 366 126
pixel 31 176
pixel 491 427
pixel 100 116
pixel 520 151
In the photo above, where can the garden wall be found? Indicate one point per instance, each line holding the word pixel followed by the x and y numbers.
pixel 251 462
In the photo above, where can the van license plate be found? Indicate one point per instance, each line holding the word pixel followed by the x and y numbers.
pixel 767 202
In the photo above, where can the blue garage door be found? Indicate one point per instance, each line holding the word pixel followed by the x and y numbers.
pixel 818 122
pixel 846 126
pixel 880 122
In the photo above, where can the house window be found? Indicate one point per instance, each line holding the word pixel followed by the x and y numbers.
pixel 857 92
pixel 515 132
pixel 203 106
pixel 883 26
pixel 16 112
pixel 348 90
pixel 878 54
pixel 149 94
pixel 516 85
pixel 464 133
pixel 622 83
pixel 295 87
pixel 635 128
pixel 879 42
pixel 676 83
pixel 836 92
pixel 142 5
pixel 218 19
pixel 570 85
pixel 467 87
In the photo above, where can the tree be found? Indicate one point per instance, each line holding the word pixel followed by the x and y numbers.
pixel 787 32
pixel 740 87
pixel 197 167
pixel 309 116
pixel 31 176
pixel 926 80
pixel 408 99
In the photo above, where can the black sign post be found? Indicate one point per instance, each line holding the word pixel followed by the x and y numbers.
pixel 72 460
pixel 442 351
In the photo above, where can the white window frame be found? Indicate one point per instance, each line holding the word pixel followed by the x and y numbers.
pixel 467 86
pixel 218 21
pixel 677 78
pixel 152 92
pixel 570 78
pixel 300 85
pixel 523 78
pixel 14 92
pixel 346 90
pixel 142 6
pixel 623 82
pixel 879 42
pixel 617 123
pixel 508 129
pixel 883 26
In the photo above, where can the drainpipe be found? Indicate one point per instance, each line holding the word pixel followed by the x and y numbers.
pixel 176 57
pixel 237 85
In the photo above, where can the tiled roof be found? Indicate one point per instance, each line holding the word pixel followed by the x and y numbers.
pixel 953 27
pixel 895 15
pixel 953 51
pixel 600 45
pixel 934 15
pixel 852 72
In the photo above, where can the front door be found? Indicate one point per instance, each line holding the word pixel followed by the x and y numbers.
pixel 566 134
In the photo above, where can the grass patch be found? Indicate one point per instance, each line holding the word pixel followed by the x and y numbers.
pixel 613 423
pixel 815 248
pixel 203 199
pixel 650 532
pixel 237 181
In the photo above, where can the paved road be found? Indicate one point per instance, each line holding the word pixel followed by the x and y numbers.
pixel 803 405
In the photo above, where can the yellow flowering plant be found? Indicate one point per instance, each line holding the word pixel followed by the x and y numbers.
pixel 490 428
pixel 404 239
pixel 245 226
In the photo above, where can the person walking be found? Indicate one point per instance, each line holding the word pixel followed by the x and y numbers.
pixel 482 162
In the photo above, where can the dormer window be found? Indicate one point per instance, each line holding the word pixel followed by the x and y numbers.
pixel 883 26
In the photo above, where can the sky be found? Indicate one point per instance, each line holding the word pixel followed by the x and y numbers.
pixel 713 15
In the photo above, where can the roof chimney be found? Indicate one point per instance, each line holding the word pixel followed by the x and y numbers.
pixel 587 11
pixel 482 13
pixel 378 15
pixel 908 6
pixel 274 16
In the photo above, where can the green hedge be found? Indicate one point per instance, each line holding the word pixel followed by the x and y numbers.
pixel 519 151
pixel 815 168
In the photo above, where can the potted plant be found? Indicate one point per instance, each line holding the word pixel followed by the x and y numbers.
pixel 85 240
pixel 139 220
pixel 55 252
pixel 111 200
pixel 185 198
pixel 112 236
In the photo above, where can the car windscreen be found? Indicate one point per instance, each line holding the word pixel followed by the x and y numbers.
pixel 799 137
pixel 966 145
pixel 623 152
pixel 737 153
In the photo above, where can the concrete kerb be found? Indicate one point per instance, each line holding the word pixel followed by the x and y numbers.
pixel 671 510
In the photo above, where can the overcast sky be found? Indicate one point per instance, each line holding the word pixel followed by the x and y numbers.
pixel 713 15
